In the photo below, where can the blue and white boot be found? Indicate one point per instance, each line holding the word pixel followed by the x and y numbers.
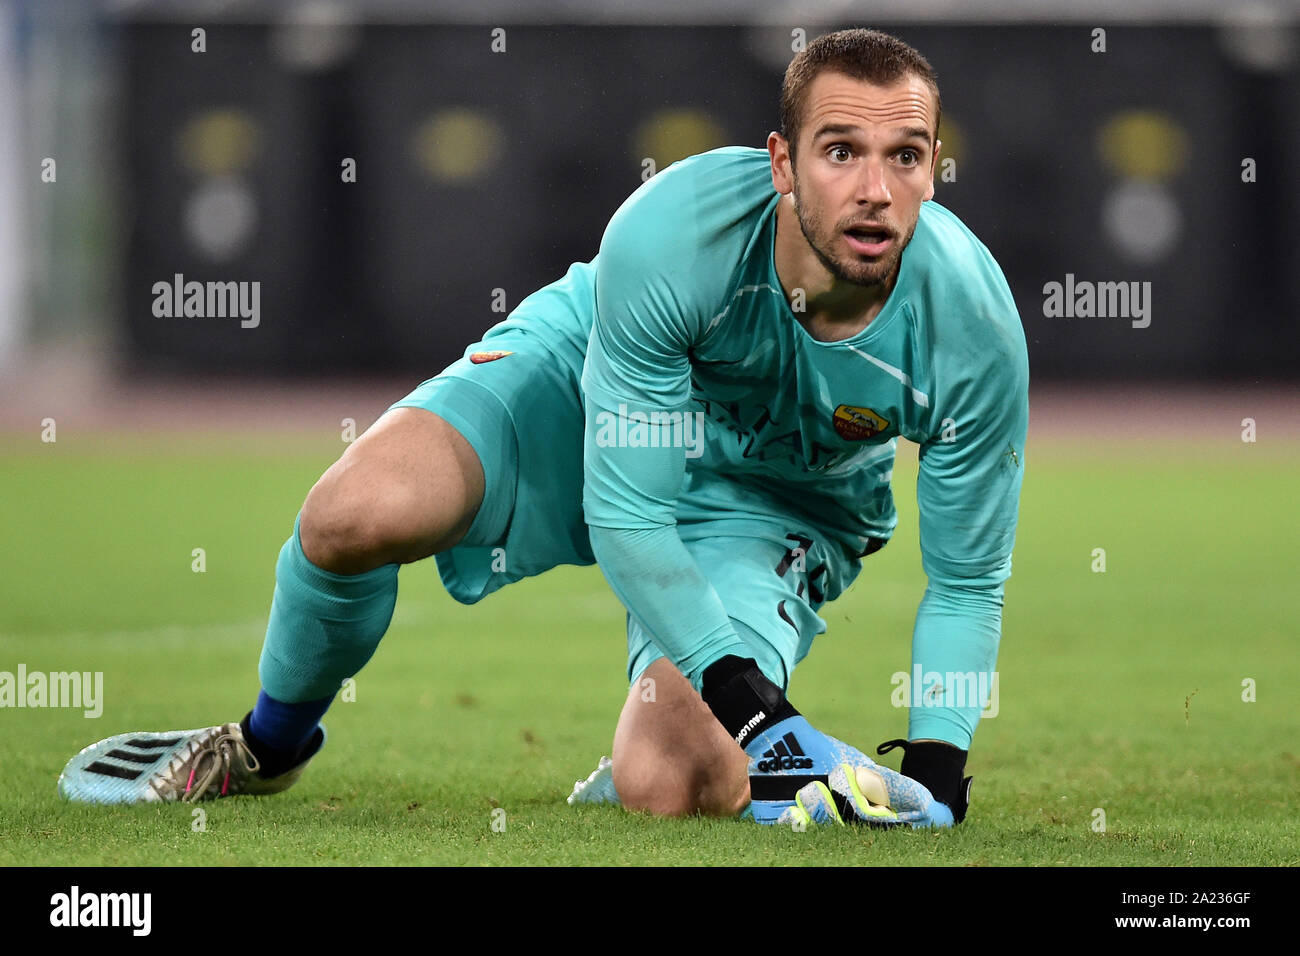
pixel 182 766
pixel 598 787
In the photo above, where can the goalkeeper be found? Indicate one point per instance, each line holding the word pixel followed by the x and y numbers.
pixel 709 410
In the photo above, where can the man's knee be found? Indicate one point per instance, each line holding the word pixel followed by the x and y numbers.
pixel 658 784
pixel 408 488
pixel 343 527
pixel 672 757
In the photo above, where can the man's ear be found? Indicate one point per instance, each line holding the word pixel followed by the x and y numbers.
pixel 934 164
pixel 778 148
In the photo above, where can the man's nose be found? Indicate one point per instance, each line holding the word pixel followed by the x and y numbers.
pixel 873 189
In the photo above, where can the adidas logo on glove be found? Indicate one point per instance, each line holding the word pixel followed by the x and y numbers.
pixel 786 754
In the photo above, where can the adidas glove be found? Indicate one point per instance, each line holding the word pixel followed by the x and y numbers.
pixel 859 790
pixel 786 753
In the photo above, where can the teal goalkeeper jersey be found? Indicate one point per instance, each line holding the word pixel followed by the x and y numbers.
pixel 707 400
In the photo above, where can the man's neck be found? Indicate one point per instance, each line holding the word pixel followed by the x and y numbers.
pixel 832 310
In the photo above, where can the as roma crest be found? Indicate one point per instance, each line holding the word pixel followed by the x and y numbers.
pixel 854 423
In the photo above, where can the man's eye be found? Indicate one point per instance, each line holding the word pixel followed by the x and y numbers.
pixel 841 153
pixel 910 157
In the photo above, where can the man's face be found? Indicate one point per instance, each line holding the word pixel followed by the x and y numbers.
pixel 863 168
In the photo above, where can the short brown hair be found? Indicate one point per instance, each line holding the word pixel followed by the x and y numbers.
pixel 861 54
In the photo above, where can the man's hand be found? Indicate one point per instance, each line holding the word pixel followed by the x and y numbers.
pixel 797 774
pixel 785 752
pixel 858 790
pixel 792 759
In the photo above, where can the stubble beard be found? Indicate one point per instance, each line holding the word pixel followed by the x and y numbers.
pixel 859 273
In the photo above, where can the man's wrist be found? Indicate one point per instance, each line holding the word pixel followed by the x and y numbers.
pixel 742 698
pixel 937 766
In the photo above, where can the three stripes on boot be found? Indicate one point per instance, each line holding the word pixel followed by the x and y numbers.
pixel 142 744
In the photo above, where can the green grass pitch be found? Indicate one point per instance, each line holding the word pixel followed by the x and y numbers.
pixel 1120 692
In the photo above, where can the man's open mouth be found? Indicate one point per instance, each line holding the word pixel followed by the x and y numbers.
pixel 868 240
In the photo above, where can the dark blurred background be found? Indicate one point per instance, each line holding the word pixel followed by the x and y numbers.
pixel 480 170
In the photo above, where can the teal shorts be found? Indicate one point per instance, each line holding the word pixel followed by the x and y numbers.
pixel 522 413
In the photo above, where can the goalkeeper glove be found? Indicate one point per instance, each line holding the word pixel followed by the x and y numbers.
pixel 857 787
pixel 786 753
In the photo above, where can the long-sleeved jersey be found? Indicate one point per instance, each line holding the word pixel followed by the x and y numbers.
pixel 706 399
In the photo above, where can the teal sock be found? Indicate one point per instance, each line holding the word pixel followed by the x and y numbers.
pixel 323 626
